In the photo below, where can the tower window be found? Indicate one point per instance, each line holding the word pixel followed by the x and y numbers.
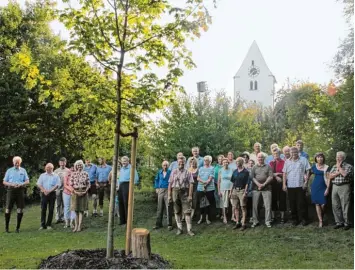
pixel 255 85
pixel 252 62
pixel 251 85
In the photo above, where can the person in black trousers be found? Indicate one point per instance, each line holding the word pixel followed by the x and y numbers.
pixel 123 190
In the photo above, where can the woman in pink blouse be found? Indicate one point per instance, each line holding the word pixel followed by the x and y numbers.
pixel 80 184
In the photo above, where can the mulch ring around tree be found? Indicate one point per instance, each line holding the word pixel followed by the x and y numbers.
pixel 96 259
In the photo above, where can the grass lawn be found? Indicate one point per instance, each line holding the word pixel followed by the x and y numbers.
pixel 214 246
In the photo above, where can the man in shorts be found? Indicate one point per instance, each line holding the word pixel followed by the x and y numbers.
pixel 239 192
pixel 16 180
pixel 180 193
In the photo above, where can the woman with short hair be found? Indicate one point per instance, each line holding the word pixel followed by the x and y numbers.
pixel 79 183
pixel 194 172
pixel 320 185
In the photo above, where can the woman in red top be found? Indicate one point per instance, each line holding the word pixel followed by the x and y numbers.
pixel 278 195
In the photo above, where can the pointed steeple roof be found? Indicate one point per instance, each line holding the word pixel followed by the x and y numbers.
pixel 253 52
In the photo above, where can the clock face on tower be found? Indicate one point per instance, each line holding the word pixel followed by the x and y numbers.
pixel 253 71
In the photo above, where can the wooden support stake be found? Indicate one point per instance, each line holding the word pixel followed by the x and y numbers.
pixel 141 243
pixel 131 189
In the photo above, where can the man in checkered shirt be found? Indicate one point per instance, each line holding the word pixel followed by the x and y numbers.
pixel 340 176
pixel 295 179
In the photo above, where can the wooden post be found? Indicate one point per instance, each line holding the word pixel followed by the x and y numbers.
pixel 141 243
pixel 131 189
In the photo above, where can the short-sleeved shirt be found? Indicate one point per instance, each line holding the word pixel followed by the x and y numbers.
pixel 341 179
pixel 62 174
pixel 102 173
pixel 240 178
pixel 295 170
pixel 261 173
pixel 125 175
pixel 253 156
pixel 91 170
pixel 79 180
pixel 226 176
pixel 173 165
pixel 181 178
pixel 204 173
pixel 16 176
pixel 49 181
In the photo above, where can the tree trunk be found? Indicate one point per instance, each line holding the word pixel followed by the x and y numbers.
pixel 141 243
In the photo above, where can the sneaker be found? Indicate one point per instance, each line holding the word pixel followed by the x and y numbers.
pixel 65 226
pixel 255 225
pixel 49 228
pixel 178 232
pixel 243 228
pixel 200 221
pixel 170 228
pixel 41 228
pixel 190 233
pixel 282 221
pixel 338 226
pixel 208 222
pixel 268 225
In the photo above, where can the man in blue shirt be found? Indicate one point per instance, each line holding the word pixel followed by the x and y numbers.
pixel 123 189
pixel 16 180
pixel 196 154
pixel 91 169
pixel 299 145
pixel 48 183
pixel 161 184
pixel 102 173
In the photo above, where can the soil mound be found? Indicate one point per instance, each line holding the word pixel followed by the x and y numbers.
pixel 96 259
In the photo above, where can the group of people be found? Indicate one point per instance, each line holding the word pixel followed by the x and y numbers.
pixel 195 189
pixel 69 190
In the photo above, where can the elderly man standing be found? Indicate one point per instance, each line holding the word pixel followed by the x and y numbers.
pixel 123 180
pixel 295 179
pixel 48 183
pixel 16 179
pixel 161 184
pixel 262 177
pixel 180 193
pixel 63 172
pixel 195 154
pixel 257 150
pixel 174 164
pixel 102 173
pixel 341 175
pixel 299 145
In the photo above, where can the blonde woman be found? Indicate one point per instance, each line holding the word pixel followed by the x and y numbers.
pixel 79 184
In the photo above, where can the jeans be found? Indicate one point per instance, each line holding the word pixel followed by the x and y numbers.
pixel 67 213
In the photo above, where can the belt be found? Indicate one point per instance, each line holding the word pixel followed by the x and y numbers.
pixel 239 188
pixel 341 184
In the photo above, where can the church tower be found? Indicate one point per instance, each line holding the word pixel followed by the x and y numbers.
pixel 254 81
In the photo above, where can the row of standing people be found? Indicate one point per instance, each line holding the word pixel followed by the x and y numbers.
pixel 243 181
pixel 69 189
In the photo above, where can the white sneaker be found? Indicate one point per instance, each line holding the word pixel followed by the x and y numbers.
pixel 208 222
pixel 41 228
pixel 49 228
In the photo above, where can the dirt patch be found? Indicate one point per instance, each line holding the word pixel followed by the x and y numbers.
pixel 96 259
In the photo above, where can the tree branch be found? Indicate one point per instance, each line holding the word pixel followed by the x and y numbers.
pixel 133 134
pixel 161 33
pixel 113 47
pixel 117 26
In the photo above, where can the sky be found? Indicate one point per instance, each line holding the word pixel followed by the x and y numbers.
pixel 298 39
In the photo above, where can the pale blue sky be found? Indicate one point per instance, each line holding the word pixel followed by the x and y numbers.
pixel 297 38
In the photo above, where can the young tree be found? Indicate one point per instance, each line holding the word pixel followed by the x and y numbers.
pixel 129 38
